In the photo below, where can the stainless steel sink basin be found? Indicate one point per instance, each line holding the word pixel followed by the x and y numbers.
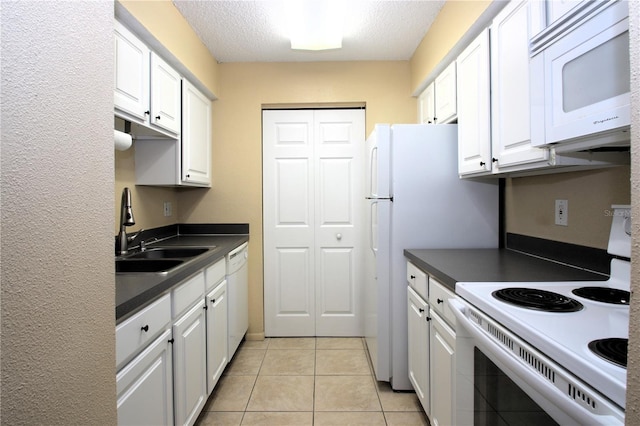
pixel 168 253
pixel 146 265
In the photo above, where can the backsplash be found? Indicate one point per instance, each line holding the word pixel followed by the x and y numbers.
pixel 530 203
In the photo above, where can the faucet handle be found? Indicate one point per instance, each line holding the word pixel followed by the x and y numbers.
pixel 130 238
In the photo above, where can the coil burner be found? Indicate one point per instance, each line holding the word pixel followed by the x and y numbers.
pixel 542 300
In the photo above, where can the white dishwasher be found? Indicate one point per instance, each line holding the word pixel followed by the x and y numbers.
pixel 238 288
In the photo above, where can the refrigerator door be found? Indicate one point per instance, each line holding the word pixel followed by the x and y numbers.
pixel 376 290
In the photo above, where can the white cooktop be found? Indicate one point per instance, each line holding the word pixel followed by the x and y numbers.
pixel 564 337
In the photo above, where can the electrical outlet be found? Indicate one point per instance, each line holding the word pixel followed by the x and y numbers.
pixel 167 208
pixel 562 212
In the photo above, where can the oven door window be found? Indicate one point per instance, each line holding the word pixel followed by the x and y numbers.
pixel 498 400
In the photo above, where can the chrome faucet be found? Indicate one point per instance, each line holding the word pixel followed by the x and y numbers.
pixel 126 219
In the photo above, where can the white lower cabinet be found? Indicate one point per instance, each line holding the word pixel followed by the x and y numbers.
pixel 145 386
pixel 189 363
pixel 418 312
pixel 217 307
pixel 442 359
pixel 171 354
pixel 432 343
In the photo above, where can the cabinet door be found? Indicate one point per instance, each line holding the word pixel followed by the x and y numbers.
pixel 418 339
pixel 196 136
pixel 131 78
pixel 443 343
pixel 165 95
pixel 474 137
pixel 190 369
pixel 145 386
pixel 216 334
pixel 446 105
pixel 426 104
pixel 510 99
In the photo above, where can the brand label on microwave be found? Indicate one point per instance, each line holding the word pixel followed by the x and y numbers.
pixel 604 120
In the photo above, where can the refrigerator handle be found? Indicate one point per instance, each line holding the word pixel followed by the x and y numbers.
pixel 374 250
pixel 373 159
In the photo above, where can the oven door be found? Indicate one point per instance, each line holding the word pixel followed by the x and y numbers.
pixel 510 382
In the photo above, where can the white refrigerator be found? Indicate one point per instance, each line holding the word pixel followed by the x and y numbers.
pixel 415 199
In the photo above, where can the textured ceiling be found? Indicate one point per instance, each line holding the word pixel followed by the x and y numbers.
pixel 251 31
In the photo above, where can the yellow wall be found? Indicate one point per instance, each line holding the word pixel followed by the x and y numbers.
pixel 242 89
pixel 236 195
pixel 453 21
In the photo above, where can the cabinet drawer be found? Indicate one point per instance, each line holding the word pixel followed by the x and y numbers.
pixel 215 273
pixel 417 280
pixel 138 331
pixel 188 293
pixel 438 296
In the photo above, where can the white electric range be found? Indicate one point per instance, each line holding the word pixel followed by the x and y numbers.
pixel 544 336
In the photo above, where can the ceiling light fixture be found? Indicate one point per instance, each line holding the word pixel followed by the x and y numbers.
pixel 315 24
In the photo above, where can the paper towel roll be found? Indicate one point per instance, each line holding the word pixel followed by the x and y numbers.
pixel 122 140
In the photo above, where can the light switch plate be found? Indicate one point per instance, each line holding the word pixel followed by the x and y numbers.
pixel 562 212
pixel 167 208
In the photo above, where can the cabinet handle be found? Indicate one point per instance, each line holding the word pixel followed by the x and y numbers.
pixel 157 117
pixel 435 119
pixel 413 277
pixel 213 300
pixel 428 319
pixel 205 307
pixel 494 160
pixel 188 176
pixel 420 310
pixel 482 163
pixel 147 112
pixel 145 328
pixel 440 301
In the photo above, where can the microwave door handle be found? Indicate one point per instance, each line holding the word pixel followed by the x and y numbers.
pixel 542 386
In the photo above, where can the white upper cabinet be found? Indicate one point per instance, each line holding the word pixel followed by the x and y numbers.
pixel 437 103
pixel 146 88
pixel 427 105
pixel 165 95
pixel 510 97
pixel 474 130
pixel 131 78
pixel 446 105
pixel 196 136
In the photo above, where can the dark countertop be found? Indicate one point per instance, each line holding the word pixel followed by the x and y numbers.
pixel 493 265
pixel 134 291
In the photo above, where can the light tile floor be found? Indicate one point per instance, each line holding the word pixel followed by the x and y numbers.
pixel 306 381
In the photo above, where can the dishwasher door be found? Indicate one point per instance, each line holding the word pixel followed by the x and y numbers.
pixel 238 288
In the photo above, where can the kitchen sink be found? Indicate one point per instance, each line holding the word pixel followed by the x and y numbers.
pixel 146 265
pixel 168 253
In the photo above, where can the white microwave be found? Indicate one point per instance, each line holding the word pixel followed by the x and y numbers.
pixel 580 77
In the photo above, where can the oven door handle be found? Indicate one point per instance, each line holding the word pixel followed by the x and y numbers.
pixel 579 414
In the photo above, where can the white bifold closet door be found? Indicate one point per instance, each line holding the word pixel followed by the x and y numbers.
pixel 313 196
